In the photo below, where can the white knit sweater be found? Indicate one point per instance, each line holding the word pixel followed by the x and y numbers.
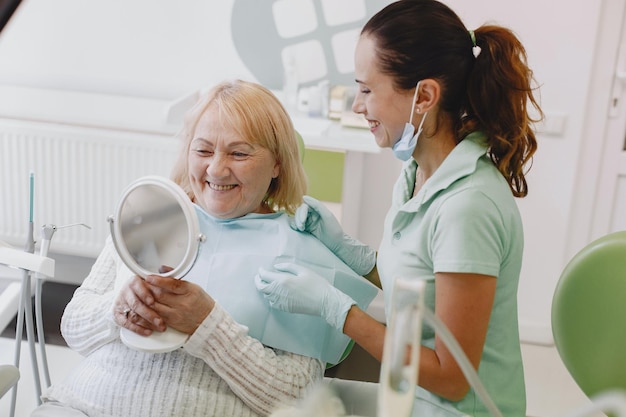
pixel 220 371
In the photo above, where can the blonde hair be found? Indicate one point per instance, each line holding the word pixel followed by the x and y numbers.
pixel 259 117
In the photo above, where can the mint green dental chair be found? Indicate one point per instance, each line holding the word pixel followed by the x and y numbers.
pixel 324 170
pixel 589 316
pixel 300 145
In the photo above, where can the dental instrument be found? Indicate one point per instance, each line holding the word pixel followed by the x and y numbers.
pixel 47 231
pixel 28 262
pixel 399 378
pixel 42 267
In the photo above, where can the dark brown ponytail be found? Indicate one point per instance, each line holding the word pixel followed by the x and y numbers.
pixel 491 92
pixel 499 91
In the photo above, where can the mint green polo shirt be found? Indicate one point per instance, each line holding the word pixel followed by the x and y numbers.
pixel 464 219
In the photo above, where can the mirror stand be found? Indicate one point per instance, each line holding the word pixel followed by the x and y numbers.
pixel 155 229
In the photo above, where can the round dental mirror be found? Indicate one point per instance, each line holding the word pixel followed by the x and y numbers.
pixel 155 231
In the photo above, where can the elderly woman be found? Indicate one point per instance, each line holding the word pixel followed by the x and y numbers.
pixel 239 165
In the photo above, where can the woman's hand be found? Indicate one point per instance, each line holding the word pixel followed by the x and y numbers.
pixel 315 218
pixel 297 289
pixel 181 304
pixel 134 308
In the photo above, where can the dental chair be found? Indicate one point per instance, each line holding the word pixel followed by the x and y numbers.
pixel 301 148
pixel 589 322
pixel 9 375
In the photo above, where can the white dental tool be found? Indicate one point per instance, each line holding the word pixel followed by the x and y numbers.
pixel 399 368
pixel 398 375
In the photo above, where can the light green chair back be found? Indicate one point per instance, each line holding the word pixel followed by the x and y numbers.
pixel 324 170
pixel 589 315
pixel 300 145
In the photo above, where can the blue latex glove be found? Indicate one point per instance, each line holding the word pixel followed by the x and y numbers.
pixel 296 289
pixel 314 217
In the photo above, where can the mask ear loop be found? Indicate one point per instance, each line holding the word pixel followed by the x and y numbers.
pixel 417 87
pixel 419 128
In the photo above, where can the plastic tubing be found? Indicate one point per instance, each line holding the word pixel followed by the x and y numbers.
pixel 611 402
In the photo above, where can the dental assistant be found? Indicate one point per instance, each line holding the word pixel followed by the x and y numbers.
pixel 453 104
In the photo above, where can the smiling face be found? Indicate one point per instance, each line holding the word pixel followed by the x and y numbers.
pixel 228 174
pixel 386 109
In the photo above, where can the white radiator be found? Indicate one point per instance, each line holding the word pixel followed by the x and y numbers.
pixel 79 174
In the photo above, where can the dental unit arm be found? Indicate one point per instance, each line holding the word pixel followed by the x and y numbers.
pixel 398 379
pixel 41 267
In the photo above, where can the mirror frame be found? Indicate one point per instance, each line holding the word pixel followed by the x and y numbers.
pixel 193 227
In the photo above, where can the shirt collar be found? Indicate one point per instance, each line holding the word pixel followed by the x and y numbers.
pixel 461 162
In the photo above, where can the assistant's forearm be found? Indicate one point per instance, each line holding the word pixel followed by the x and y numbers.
pixel 373 277
pixel 443 379
pixel 366 331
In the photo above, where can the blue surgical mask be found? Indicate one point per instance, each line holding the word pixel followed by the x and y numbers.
pixel 404 147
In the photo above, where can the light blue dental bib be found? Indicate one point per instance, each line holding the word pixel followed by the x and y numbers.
pixel 229 259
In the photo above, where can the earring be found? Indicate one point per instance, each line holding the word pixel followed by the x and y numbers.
pixel 418 110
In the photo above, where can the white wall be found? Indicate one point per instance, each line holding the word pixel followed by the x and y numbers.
pixel 164 49
pixel 147 48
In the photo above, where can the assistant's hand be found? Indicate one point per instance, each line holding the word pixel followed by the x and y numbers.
pixel 297 289
pixel 314 217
